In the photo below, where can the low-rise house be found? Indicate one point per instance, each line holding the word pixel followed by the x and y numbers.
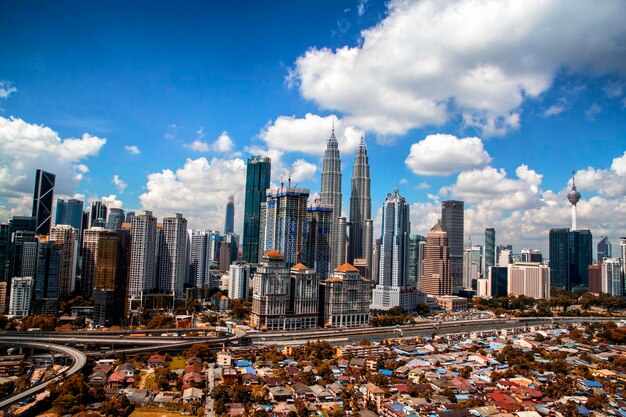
pixel 375 394
pixel 128 369
pixel 156 360
pixel 280 393
pixel 192 394
pixel 321 394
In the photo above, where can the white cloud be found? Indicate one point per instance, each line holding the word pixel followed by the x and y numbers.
pixel 309 135
pixel 429 62
pixel 132 149
pixel 360 8
pixel 199 190
pixel 445 154
pixel 6 89
pixel 302 170
pixel 610 182
pixel 593 111
pixel 25 147
pixel 111 201
pixel 119 184
pixel 222 144
pixel 559 107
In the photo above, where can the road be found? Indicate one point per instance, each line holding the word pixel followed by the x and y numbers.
pixel 78 361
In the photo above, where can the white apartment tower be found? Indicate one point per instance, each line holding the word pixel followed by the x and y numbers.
pixel 67 237
pixel 21 295
pixel 174 255
pixel 142 256
pixel 612 277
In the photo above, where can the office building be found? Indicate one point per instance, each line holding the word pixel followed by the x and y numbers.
pixel 453 223
pixel 67 237
pixel 257 181
pixel 490 249
pixel 559 254
pixel 233 243
pixel 115 219
pixel 70 212
pixel 42 201
pixel 318 237
pixel 531 279
pixel 22 254
pixel 99 260
pixel 505 257
pixel 4 299
pixel 612 277
pixel 173 259
pixel 498 281
pixel 393 273
pixel 142 260
pixel 331 196
pixel 129 217
pixel 604 248
pixel 229 221
pixel 531 255
pixel 622 248
pixel 46 286
pixel 199 264
pixel 345 298
pixel 581 256
pixel 239 275
pixel 283 222
pixel 595 278
pixel 5 244
pixel 417 244
pixel 436 280
pixel 98 214
pixel 304 297
pixel 270 294
pixel 21 296
pixel 360 205
pixel 471 264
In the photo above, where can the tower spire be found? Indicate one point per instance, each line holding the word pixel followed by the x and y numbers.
pixel 574 197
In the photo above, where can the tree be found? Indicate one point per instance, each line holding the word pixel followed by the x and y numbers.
pixel 301 408
pixel 200 350
pixel 69 395
pixel 240 309
pixel 117 407
pixel 162 321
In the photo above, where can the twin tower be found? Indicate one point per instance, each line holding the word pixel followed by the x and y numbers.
pixel 357 249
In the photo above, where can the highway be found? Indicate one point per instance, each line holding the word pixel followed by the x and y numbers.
pixel 78 361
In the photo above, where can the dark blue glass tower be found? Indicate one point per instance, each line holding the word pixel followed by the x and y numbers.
pixel 257 181
pixel 42 201
pixel 69 212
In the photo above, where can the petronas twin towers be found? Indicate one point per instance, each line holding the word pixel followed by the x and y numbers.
pixel 360 223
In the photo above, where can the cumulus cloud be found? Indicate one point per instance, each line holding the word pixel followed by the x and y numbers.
pixel 25 147
pixel 309 134
pixel 119 184
pixel 132 149
pixel 6 89
pixel 445 154
pixel 111 201
pixel 610 182
pixel 429 62
pixel 222 144
pixel 199 190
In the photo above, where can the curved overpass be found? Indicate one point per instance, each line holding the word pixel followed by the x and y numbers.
pixel 78 361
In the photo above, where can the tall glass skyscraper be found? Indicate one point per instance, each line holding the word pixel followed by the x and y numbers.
pixel 416 259
pixel 490 249
pixel 229 221
pixel 605 249
pixel 452 222
pixel 115 219
pixel 257 181
pixel 69 212
pixel 570 257
pixel 42 201
pixel 360 204
pixel 559 253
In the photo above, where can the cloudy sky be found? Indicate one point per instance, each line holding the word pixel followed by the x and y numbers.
pixel 157 105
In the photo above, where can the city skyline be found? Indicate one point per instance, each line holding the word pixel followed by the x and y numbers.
pixel 157 129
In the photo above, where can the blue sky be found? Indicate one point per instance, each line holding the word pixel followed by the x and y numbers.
pixel 482 101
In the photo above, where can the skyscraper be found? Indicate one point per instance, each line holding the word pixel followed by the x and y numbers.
pixel 229 221
pixel 174 255
pixel 98 214
pixel 42 201
pixel 622 247
pixel 574 197
pixel 605 249
pixel 416 260
pixel 360 204
pixel 436 279
pixel 531 279
pixel 67 237
pixel 318 237
pixel 70 212
pixel 238 280
pixel 142 261
pixel 331 195
pixel 5 242
pixel 21 295
pixel 452 222
pixel 392 288
pixel 581 255
pixel 115 219
pixel 283 220
pixel 199 259
pixel 270 294
pixel 46 285
pixel 99 260
pixel 471 264
pixel 612 277
pixel 490 249
pixel 559 253
pixel 257 181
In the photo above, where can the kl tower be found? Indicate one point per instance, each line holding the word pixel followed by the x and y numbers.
pixel 574 197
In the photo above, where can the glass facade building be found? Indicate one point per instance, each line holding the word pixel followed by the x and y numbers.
pixel 257 181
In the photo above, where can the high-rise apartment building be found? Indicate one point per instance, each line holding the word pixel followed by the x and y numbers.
pixel 283 221
pixel 318 237
pixel 393 273
pixel 239 276
pixel 622 248
pixel 99 260
pixel 436 279
pixel 21 296
pixel 453 223
pixel 67 237
pixel 612 277
pixel 115 219
pixel 270 294
pixel 70 212
pixel 472 263
pixel 257 181
pixel 345 298
pixel 23 254
pixel 229 221
pixel 142 260
pixel 331 195
pixel 174 255
pixel 111 260
pixel 604 248
pixel 490 249
pixel 199 257
pixel 531 279
pixel 360 205
pixel 42 201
